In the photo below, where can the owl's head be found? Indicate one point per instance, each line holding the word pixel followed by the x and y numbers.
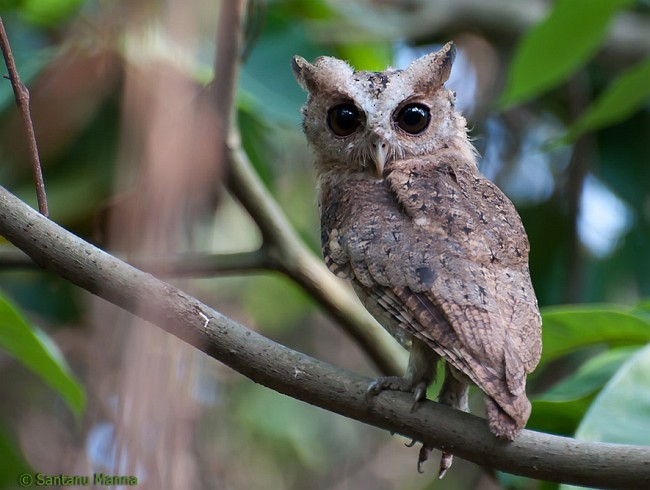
pixel 358 121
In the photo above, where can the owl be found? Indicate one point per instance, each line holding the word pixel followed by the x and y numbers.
pixel 435 251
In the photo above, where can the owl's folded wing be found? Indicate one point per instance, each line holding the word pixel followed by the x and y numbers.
pixel 444 256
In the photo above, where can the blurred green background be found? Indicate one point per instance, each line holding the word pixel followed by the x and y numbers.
pixel 557 99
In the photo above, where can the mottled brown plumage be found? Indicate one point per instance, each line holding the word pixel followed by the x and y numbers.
pixel 435 252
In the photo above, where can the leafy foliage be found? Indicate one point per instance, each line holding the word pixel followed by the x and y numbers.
pixel 37 352
pixel 557 46
pixel 627 93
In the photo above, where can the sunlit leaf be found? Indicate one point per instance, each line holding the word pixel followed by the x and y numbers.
pixel 557 46
pixel 627 94
pixel 375 56
pixel 37 352
pixel 619 414
pixel 569 328
pixel 49 12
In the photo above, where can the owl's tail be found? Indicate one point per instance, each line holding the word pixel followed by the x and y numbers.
pixel 505 425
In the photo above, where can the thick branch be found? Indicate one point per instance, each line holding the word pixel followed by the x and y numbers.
pixel 532 454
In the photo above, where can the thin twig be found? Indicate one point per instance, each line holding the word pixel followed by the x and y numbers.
pixel 531 454
pixel 21 94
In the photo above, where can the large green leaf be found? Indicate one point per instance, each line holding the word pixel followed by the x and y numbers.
pixel 621 412
pixel 591 376
pixel 557 46
pixel 620 100
pixel 560 409
pixel 37 352
pixel 570 328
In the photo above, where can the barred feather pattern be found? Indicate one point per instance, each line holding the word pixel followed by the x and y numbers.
pixel 437 253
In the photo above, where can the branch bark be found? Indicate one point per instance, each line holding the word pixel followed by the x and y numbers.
pixel 532 454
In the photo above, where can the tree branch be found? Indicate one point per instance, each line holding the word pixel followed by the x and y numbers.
pixel 22 101
pixel 532 454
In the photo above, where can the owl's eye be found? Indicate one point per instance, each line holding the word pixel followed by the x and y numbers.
pixel 413 118
pixel 343 119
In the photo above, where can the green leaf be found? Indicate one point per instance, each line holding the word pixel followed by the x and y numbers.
pixel 49 12
pixel 561 408
pixel 12 462
pixel 558 46
pixel 620 100
pixel 567 329
pixel 619 414
pixel 374 56
pixel 38 353
pixel 591 376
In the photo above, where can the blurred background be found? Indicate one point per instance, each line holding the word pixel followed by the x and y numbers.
pixel 556 95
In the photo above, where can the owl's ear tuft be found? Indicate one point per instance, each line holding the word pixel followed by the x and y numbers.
pixel 433 69
pixel 326 73
pixel 304 73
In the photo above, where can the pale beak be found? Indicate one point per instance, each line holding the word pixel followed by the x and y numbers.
pixel 380 152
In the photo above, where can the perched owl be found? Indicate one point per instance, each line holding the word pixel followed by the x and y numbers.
pixel 436 252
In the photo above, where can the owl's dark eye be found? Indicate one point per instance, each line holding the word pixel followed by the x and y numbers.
pixel 343 119
pixel 413 118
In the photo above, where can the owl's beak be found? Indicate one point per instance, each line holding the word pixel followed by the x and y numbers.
pixel 380 152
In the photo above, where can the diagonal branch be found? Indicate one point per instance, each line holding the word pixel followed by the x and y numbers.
pixel 532 454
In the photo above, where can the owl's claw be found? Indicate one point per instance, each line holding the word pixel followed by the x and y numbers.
pixel 392 383
pixel 419 394
pixel 397 383
pixel 445 463
pixel 425 451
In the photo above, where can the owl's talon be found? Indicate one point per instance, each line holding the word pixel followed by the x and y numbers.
pixel 425 451
pixel 419 394
pixel 412 443
pixel 392 383
pixel 445 463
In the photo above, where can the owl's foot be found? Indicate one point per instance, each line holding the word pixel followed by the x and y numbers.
pixel 425 451
pixel 397 383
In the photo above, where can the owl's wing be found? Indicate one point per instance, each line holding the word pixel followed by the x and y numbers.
pixel 444 252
